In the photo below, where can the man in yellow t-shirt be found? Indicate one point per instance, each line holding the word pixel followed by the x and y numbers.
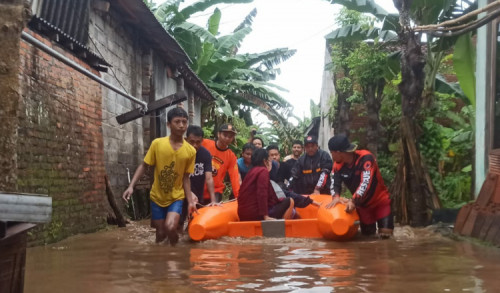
pixel 173 160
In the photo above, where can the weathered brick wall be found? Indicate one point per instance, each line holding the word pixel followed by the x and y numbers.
pixel 12 20
pixel 60 143
pixel 359 124
pixel 118 44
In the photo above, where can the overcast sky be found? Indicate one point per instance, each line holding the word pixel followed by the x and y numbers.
pixel 296 24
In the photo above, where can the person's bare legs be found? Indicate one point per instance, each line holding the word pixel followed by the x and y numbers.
pixel 161 233
pixel 170 226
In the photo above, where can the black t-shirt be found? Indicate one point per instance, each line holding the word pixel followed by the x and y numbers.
pixel 285 170
pixel 273 174
pixel 202 164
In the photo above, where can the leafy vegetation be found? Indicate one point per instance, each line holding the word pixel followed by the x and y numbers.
pixel 443 130
pixel 240 82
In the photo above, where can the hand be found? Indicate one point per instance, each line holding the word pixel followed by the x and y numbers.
pixel 128 193
pixel 334 202
pixel 316 191
pixel 318 204
pixel 349 207
pixel 267 218
pixel 192 208
pixel 214 204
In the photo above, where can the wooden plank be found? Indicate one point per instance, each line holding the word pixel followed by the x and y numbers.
pixel 12 262
pixel 153 106
pixel 120 220
pixel 3 229
pixel 25 208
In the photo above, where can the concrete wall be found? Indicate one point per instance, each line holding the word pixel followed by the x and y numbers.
pixel 483 102
pixel 326 96
pixel 119 45
pixel 60 143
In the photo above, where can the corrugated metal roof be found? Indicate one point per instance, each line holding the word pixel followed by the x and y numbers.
pixel 66 22
pixel 69 16
pixel 94 60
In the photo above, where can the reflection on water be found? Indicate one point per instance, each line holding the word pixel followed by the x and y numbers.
pixel 128 260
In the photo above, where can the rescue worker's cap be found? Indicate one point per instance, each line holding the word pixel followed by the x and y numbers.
pixel 227 128
pixel 310 139
pixel 340 143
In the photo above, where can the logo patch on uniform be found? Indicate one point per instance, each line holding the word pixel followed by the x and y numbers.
pixel 367 166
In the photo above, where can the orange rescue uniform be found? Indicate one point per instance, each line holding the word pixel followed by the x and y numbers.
pixel 223 161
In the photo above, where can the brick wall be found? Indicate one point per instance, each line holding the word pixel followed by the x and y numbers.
pixel 359 124
pixel 60 143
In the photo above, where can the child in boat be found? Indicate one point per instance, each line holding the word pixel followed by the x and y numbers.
pixel 173 160
pixel 257 199
pixel 245 162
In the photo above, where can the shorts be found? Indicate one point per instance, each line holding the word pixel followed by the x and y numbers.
pixel 381 215
pixel 160 213
pixel 370 215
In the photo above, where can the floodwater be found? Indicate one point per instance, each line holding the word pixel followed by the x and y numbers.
pixel 128 260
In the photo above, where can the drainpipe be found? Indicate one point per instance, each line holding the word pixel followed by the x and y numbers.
pixel 32 40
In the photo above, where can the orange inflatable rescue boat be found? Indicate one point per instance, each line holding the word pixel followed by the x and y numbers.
pixel 335 223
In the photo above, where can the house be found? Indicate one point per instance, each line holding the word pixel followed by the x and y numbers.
pixel 487 97
pixel 68 137
pixel 480 219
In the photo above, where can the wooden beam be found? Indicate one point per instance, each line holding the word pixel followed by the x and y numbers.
pixel 30 208
pixel 153 106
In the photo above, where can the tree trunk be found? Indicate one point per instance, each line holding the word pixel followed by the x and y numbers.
pixel 412 189
pixel 373 97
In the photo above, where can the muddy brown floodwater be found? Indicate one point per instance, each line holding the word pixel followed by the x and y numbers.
pixel 128 260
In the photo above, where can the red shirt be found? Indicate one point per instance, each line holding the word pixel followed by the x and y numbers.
pixel 362 178
pixel 257 195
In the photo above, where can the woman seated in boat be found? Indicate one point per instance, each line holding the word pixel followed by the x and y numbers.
pixel 257 199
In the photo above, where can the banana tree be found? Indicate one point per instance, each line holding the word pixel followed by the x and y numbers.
pixel 239 81
pixel 412 189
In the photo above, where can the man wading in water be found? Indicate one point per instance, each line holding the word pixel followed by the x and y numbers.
pixel 173 160
pixel 359 171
